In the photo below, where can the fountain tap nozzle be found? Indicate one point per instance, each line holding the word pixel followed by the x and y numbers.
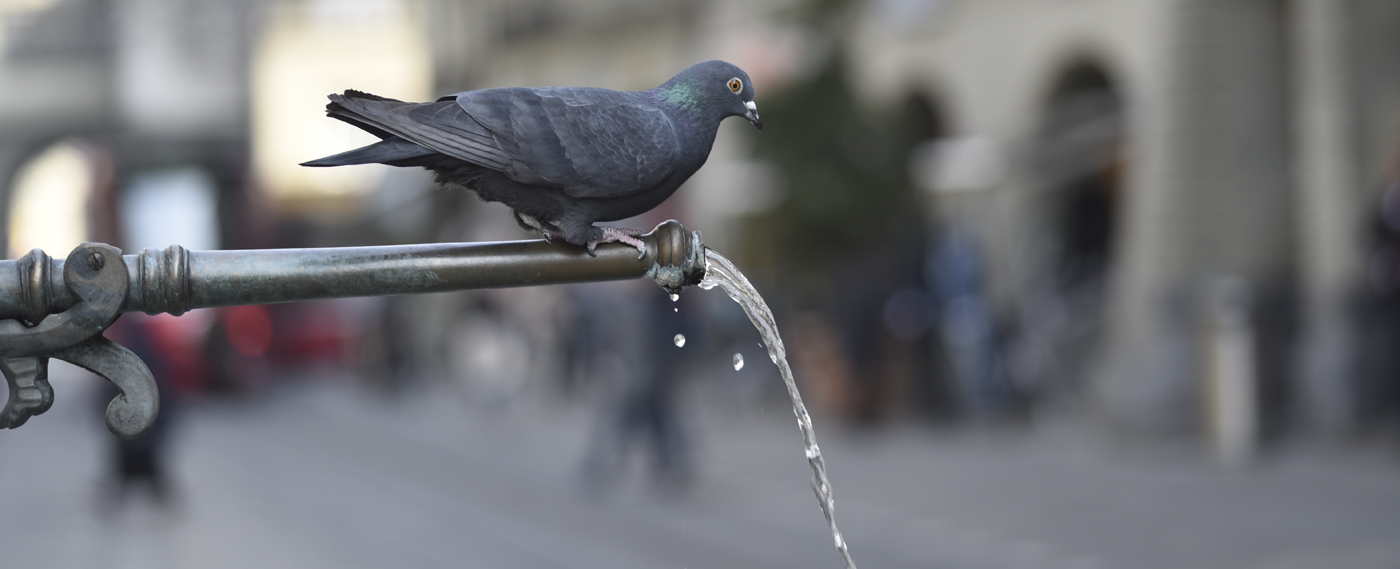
pixel 679 258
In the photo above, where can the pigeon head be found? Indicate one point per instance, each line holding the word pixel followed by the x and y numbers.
pixel 714 90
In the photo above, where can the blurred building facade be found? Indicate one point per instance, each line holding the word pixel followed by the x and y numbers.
pixel 1246 139
pixel 1109 158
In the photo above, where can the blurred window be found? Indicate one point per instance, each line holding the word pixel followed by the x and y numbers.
pixel 310 50
pixel 49 194
pixel 173 206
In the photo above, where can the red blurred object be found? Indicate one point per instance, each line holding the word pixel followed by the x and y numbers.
pixel 253 346
pixel 311 333
pixel 180 342
pixel 249 330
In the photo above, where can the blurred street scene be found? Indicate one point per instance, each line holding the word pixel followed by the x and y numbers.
pixel 325 475
pixel 1071 283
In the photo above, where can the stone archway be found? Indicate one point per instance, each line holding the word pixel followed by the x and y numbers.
pixel 1073 219
pixel 1080 169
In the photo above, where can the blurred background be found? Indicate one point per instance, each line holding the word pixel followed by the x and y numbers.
pixel 1067 283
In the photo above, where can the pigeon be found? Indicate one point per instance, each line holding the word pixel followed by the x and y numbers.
pixel 562 158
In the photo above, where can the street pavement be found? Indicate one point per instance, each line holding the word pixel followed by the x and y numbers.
pixel 327 474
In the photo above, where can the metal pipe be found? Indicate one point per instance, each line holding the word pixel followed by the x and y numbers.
pixel 58 309
pixel 176 280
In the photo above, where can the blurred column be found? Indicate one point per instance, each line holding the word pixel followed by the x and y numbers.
pixel 1328 200
pixel 1211 195
pixel 1230 393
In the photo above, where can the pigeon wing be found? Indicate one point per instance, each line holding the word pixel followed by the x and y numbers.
pixel 592 143
pixel 442 126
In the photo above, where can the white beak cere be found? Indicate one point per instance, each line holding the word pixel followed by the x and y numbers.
pixel 752 115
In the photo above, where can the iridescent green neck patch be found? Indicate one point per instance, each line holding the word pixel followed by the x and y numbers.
pixel 685 95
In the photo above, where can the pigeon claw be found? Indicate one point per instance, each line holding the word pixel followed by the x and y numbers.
pixel 638 243
pixel 619 235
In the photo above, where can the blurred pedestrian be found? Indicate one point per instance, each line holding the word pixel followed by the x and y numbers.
pixel 1381 383
pixel 634 345
pixel 142 461
pixel 965 322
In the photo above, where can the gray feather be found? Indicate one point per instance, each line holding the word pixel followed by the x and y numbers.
pixel 387 151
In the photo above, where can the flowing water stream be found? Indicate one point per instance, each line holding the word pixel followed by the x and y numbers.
pixel 719 272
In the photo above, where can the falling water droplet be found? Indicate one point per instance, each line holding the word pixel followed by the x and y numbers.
pixel 679 340
pixel 675 297
pixel 675 310
pixel 738 362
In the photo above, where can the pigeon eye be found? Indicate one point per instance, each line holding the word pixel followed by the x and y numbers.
pixel 736 85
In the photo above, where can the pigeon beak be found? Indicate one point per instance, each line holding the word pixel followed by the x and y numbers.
pixel 752 115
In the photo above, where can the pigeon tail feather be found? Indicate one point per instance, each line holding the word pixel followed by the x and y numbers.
pixel 420 124
pixel 392 151
pixel 350 106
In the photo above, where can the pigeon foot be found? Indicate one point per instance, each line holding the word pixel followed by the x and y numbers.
pixel 549 234
pixel 626 235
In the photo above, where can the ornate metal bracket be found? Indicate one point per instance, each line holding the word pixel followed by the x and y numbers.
pixel 95 275
pixel 59 309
